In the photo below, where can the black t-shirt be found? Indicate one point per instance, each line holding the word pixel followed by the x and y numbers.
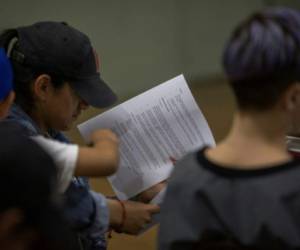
pixel 258 207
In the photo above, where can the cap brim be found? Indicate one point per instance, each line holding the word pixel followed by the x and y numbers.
pixel 94 91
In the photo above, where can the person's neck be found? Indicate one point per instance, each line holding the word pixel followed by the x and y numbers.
pixel 255 140
pixel 38 118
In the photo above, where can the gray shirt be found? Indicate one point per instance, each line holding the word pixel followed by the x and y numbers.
pixel 253 207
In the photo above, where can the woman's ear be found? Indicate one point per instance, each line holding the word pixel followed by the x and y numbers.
pixel 6 104
pixel 42 86
pixel 291 97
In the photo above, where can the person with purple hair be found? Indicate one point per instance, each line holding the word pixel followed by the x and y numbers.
pixel 245 192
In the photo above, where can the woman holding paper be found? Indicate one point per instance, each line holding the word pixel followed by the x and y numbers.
pixel 52 87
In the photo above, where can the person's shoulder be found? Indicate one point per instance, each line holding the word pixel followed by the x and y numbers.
pixel 187 170
pixel 189 162
pixel 8 126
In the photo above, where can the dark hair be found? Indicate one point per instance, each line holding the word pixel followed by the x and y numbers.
pixel 24 74
pixel 262 57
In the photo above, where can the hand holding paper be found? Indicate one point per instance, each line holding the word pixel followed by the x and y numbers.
pixel 155 129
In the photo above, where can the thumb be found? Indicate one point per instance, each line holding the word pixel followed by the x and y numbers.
pixel 153 209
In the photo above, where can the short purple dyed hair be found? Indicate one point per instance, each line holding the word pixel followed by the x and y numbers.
pixel 262 57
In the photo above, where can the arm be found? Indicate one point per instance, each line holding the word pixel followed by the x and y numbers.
pixel 102 158
pixel 99 160
pixel 138 214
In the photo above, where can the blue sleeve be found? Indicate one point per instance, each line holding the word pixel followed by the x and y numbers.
pixel 100 223
pixel 87 213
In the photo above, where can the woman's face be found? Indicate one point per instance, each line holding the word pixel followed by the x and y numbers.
pixel 62 108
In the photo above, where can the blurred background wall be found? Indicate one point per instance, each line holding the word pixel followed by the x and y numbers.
pixel 143 43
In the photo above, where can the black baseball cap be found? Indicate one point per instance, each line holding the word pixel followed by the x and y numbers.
pixel 61 49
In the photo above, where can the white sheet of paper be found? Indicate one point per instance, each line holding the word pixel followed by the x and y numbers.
pixel 155 129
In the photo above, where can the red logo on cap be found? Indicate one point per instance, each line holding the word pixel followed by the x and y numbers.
pixel 97 61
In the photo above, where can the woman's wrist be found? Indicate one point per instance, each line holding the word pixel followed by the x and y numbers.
pixel 117 214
